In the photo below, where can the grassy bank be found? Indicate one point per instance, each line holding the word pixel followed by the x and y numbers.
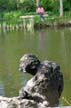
pixel 13 19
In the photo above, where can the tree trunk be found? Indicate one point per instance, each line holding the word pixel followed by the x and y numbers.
pixel 61 7
pixel 17 1
pixel 37 3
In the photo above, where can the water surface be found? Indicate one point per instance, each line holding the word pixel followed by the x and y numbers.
pixel 51 44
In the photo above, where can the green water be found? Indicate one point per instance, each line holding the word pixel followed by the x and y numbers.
pixel 51 44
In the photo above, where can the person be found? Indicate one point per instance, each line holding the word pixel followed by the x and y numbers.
pixel 40 11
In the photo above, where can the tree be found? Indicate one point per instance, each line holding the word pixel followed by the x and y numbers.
pixel 61 7
pixel 37 3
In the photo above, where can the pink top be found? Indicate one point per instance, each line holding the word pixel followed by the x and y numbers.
pixel 40 10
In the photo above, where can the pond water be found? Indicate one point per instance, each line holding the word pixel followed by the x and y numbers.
pixel 51 44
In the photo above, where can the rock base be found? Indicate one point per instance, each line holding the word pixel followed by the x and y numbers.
pixel 20 103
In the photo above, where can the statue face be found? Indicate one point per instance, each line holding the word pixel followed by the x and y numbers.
pixel 29 63
pixel 23 63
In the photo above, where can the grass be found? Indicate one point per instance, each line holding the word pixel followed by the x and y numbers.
pixel 13 17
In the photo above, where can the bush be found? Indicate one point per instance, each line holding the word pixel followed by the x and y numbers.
pixel 37 19
pixel 12 17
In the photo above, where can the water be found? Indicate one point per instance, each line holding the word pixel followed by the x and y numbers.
pixel 51 44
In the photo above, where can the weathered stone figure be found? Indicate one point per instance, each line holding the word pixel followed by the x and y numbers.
pixel 46 85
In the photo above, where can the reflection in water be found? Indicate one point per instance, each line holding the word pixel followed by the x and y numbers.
pixel 41 41
pixel 2 36
pixel 63 49
pixel 2 93
pixel 2 59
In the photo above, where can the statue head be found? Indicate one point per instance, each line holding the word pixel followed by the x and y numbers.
pixel 29 63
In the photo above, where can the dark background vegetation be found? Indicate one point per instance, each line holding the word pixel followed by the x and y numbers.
pixel 30 5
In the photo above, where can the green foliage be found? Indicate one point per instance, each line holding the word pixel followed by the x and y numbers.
pixel 67 5
pixel 56 5
pixel 12 17
pixel 37 19
pixel 3 5
pixel 27 6
pixel 12 5
pixel 8 5
pixel 67 13
pixel 47 4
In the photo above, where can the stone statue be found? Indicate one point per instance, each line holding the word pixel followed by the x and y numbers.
pixel 43 90
pixel 46 85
